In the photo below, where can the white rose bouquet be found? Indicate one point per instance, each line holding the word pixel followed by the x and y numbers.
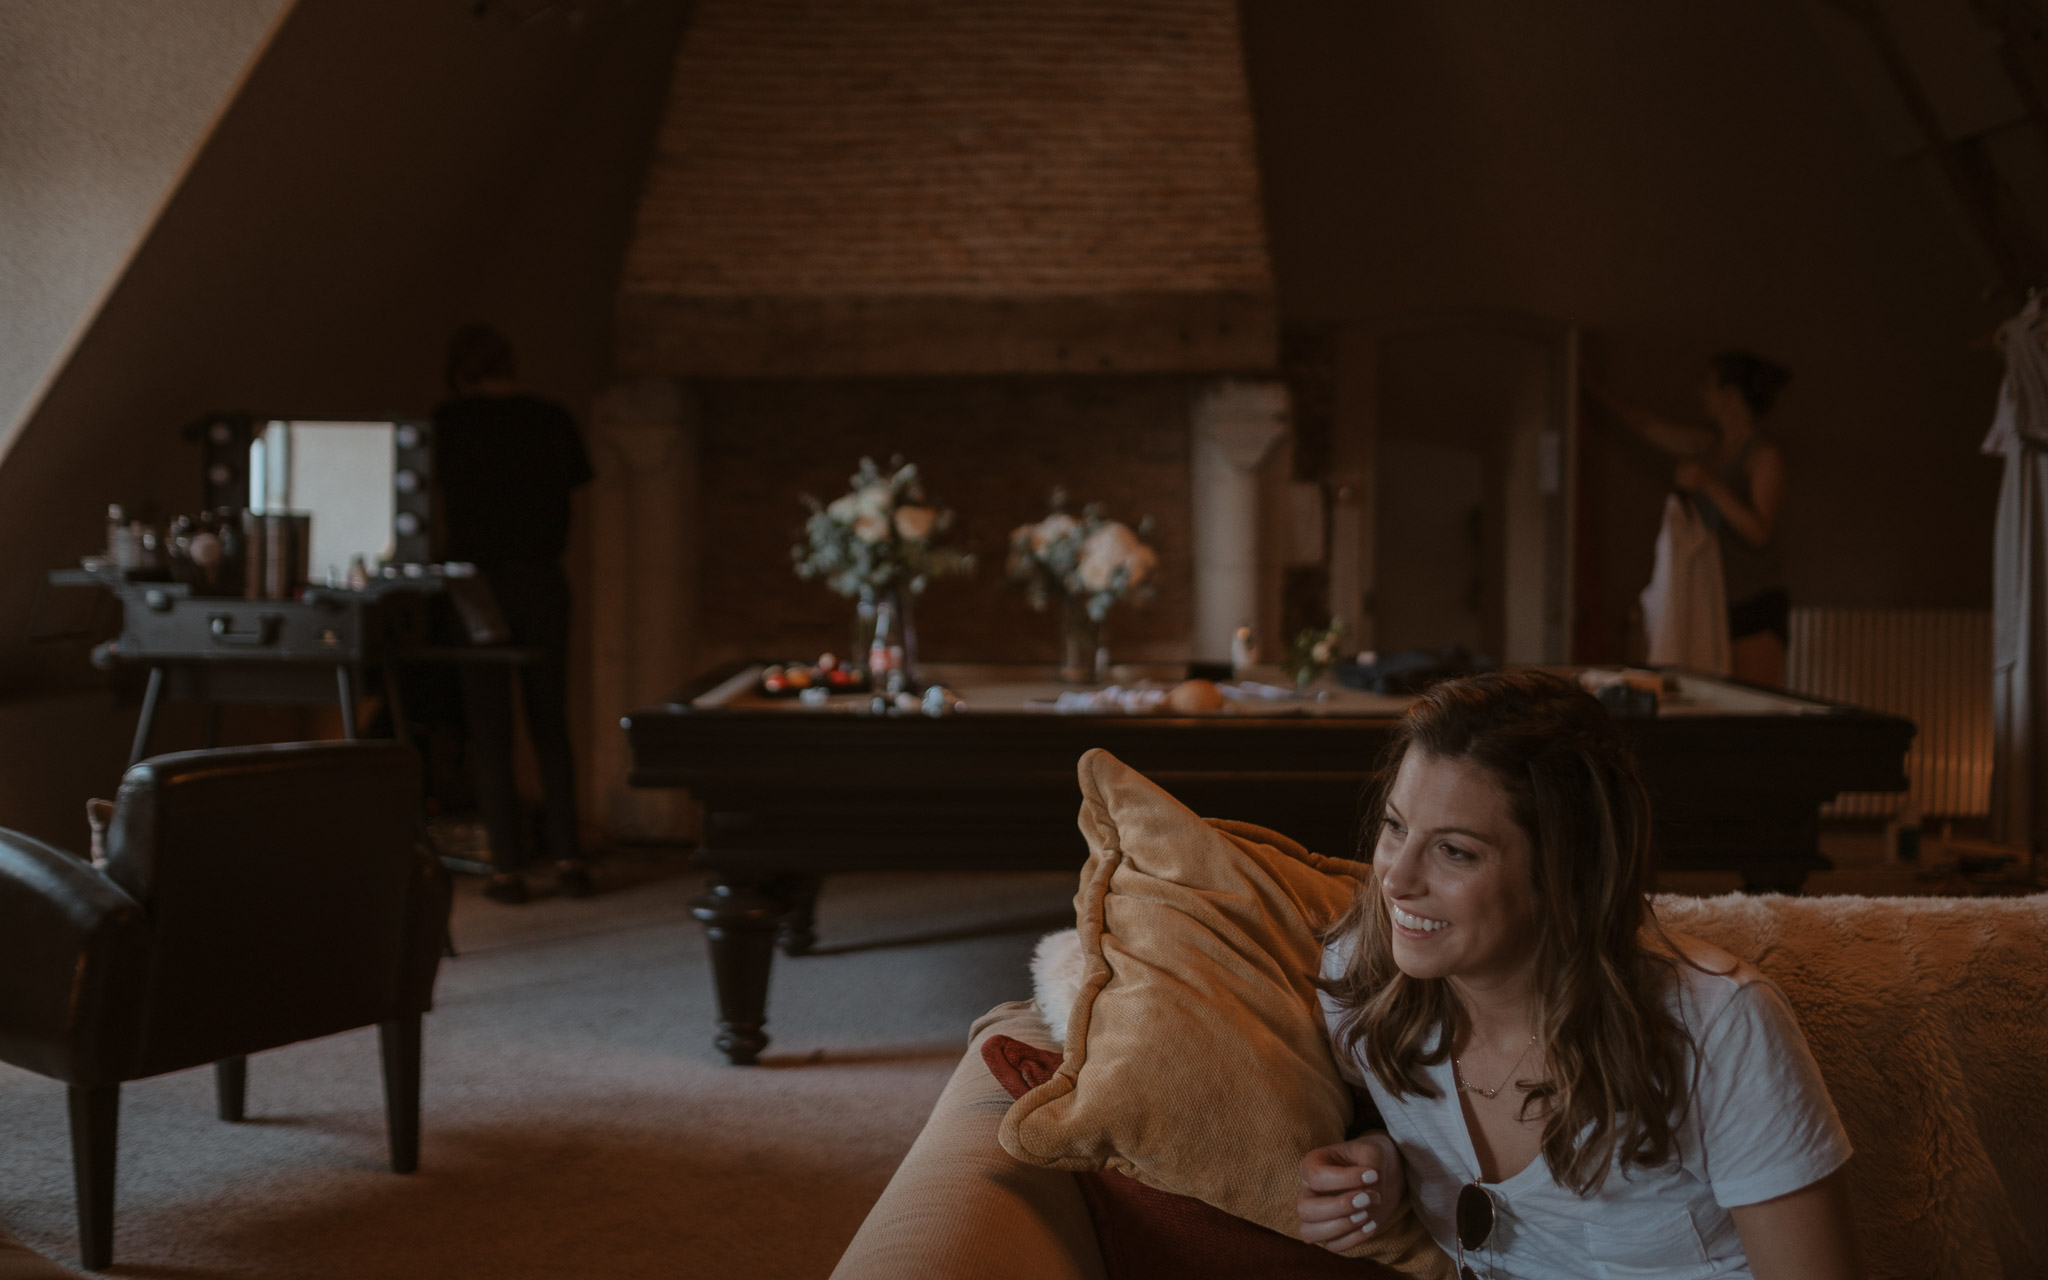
pixel 1091 561
pixel 880 536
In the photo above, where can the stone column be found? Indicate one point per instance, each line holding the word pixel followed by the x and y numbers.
pixel 1236 426
pixel 642 588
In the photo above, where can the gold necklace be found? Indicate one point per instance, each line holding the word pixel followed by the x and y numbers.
pixel 1458 1073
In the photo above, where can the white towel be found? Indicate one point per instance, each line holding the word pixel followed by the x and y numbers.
pixel 1685 607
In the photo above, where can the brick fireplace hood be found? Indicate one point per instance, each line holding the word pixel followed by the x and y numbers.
pixel 889 187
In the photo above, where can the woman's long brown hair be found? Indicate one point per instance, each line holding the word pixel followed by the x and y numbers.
pixel 1618 1079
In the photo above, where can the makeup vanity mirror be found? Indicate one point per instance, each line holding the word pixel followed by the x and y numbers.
pixel 362 481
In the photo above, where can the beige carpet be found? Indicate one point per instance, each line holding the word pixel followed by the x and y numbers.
pixel 577 1121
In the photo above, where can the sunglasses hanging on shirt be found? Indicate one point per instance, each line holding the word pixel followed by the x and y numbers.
pixel 1475 1225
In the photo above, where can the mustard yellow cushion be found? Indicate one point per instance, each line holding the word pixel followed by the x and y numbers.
pixel 1196 1059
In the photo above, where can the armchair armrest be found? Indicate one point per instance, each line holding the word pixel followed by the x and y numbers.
pixel 70 947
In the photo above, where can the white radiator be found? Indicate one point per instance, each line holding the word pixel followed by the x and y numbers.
pixel 1932 666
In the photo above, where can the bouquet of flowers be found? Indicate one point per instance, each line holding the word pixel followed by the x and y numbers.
pixel 1313 650
pixel 1092 561
pixel 880 536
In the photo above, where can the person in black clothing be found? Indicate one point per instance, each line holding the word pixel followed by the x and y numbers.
pixel 506 464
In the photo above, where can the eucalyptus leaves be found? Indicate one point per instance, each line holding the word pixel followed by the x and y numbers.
pixel 1091 561
pixel 880 536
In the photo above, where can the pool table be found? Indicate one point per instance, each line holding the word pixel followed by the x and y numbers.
pixel 793 792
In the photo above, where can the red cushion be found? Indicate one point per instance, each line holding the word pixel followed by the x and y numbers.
pixel 1146 1233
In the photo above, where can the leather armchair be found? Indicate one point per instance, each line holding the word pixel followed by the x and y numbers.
pixel 251 897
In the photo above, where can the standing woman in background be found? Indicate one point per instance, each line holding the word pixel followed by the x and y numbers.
pixel 1741 476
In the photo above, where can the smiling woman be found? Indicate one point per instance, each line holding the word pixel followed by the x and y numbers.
pixel 1527 1030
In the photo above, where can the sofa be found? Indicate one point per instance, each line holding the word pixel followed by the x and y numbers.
pixel 19 1262
pixel 1928 1016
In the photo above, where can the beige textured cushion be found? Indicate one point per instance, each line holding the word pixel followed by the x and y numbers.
pixel 1196 1059
pixel 1925 1015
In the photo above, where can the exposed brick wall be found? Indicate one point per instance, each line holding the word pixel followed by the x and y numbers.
pixel 916 160
pixel 990 448
pixel 856 337
pixel 953 147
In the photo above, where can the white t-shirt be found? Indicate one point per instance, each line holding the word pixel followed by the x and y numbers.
pixel 1759 1124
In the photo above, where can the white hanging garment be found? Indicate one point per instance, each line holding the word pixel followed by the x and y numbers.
pixel 2019 592
pixel 1685 607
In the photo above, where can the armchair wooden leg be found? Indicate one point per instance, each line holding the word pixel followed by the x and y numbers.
pixel 95 1113
pixel 231 1087
pixel 400 1042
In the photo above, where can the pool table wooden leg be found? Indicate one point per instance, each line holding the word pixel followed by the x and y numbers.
pixel 740 919
pixel 799 928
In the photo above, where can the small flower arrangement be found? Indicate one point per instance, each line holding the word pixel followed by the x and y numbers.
pixel 880 536
pixel 1313 650
pixel 1090 561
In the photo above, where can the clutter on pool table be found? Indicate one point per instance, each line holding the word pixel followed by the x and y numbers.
pixel 828 673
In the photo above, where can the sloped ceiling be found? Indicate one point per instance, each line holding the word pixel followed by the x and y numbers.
pixel 103 104
pixel 1979 70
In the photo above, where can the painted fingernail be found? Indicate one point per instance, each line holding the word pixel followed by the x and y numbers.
pixel 1364 1228
pixel 1369 1177
pixel 1361 1200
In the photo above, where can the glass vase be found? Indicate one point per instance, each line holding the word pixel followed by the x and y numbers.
pixel 1082 654
pixel 885 637
pixel 906 638
pixel 863 632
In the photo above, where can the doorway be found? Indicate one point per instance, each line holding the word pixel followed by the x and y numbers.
pixel 1474 450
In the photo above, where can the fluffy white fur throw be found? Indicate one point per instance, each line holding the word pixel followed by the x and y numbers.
pixel 1056 973
pixel 1929 1018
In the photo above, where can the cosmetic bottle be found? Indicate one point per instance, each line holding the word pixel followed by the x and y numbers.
pixel 121 547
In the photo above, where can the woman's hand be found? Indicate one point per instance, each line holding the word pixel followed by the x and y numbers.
pixel 1754 520
pixel 1348 1190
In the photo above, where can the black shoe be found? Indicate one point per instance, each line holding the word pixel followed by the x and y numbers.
pixel 509 888
pixel 572 880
